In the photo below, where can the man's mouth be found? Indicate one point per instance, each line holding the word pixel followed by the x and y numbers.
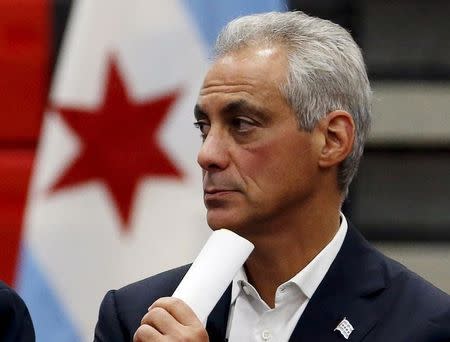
pixel 215 190
pixel 217 193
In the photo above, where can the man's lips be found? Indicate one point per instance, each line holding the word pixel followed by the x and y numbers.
pixel 216 190
pixel 215 193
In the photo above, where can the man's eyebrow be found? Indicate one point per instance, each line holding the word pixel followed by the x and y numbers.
pixel 236 107
pixel 199 113
pixel 242 107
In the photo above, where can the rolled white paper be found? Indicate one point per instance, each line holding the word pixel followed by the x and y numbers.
pixel 212 271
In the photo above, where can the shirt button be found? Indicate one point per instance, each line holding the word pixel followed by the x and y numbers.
pixel 266 335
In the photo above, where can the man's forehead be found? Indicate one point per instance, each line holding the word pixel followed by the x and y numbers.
pixel 249 68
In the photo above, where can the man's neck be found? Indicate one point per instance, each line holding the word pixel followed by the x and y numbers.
pixel 277 259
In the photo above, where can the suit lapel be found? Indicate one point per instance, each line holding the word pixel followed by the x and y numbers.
pixel 349 290
pixel 216 325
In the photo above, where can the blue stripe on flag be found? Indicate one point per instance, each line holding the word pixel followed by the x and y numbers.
pixel 50 321
pixel 211 16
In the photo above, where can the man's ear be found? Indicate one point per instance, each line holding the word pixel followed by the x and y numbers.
pixel 338 129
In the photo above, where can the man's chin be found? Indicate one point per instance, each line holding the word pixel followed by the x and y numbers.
pixel 228 221
pixel 220 220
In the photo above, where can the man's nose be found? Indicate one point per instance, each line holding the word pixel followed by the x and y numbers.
pixel 213 154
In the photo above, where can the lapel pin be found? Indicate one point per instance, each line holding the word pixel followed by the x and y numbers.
pixel 345 328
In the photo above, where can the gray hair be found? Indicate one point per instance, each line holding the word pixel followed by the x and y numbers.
pixel 326 71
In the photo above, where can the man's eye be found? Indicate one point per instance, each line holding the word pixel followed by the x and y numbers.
pixel 203 127
pixel 242 125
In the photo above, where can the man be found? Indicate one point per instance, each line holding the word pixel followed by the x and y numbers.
pixel 284 112
pixel 15 320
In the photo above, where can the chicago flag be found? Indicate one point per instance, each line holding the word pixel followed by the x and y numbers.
pixel 116 193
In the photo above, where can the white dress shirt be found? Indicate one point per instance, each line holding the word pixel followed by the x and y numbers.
pixel 251 319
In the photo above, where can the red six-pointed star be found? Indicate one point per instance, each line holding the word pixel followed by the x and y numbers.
pixel 119 143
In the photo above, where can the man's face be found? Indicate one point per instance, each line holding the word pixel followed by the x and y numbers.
pixel 258 167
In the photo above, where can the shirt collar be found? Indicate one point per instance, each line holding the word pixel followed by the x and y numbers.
pixel 238 279
pixel 310 277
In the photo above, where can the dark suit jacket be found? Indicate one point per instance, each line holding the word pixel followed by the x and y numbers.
pixel 15 320
pixel 382 299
